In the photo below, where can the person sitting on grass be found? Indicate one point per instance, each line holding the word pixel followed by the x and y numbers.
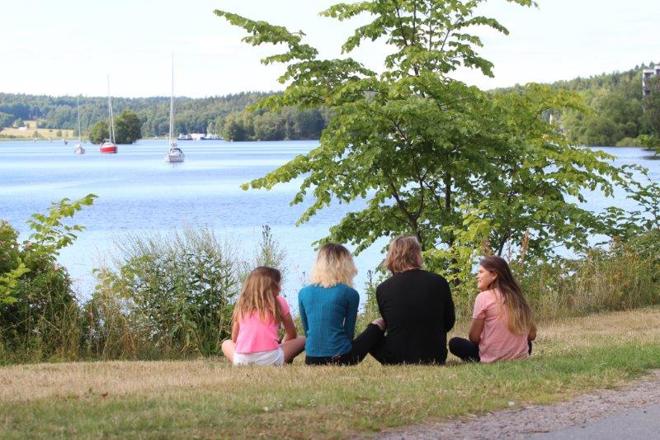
pixel 417 308
pixel 258 314
pixel 502 326
pixel 328 310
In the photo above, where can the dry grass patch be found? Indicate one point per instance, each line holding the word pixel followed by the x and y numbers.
pixel 30 132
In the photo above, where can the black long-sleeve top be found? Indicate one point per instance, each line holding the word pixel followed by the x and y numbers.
pixel 418 311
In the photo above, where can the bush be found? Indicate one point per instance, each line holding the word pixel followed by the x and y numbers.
pixel 39 314
pixel 168 297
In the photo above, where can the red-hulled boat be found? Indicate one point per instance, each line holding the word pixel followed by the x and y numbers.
pixel 108 148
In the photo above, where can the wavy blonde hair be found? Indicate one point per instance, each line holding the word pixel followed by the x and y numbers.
pixel 404 253
pixel 334 265
pixel 259 294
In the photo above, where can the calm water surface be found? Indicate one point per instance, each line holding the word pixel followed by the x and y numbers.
pixel 140 194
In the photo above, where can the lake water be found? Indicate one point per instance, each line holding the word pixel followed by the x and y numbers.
pixel 141 194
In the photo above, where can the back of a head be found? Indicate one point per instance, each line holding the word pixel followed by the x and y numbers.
pixel 404 253
pixel 334 265
pixel 259 294
pixel 520 315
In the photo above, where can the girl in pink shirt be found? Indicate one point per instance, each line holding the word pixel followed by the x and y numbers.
pixel 258 315
pixel 502 326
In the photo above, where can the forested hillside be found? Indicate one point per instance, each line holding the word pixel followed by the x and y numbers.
pixel 619 114
pixel 220 115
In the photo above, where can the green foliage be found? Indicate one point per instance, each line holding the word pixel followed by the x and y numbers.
pixel 99 132
pixel 463 170
pixel 617 109
pixel 169 296
pixel 6 120
pixel 38 310
pixel 12 267
pixel 624 276
pixel 269 252
pixel 651 106
pixel 50 233
pixel 127 127
pixel 204 115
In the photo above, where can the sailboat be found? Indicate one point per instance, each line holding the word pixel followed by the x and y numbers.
pixel 79 147
pixel 109 146
pixel 174 154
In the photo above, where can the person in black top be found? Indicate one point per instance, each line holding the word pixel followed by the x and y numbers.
pixel 417 308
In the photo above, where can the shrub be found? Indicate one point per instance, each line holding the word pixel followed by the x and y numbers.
pixel 39 314
pixel 168 297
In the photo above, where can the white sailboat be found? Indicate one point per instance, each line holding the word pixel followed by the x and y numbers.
pixel 109 146
pixel 174 154
pixel 79 147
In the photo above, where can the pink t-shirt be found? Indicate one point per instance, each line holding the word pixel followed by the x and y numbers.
pixel 497 342
pixel 255 335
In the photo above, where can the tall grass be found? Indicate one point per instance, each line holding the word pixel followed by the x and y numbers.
pixel 171 297
pixel 624 276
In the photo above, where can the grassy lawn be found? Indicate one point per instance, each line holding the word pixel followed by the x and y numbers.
pixel 208 399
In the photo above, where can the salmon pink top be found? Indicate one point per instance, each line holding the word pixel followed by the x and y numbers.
pixel 497 341
pixel 256 335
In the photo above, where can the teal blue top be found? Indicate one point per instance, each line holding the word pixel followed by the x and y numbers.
pixel 328 317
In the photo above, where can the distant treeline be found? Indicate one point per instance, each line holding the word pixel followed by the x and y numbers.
pixel 225 115
pixel 619 114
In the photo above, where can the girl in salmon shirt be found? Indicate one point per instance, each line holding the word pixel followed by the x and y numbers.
pixel 502 326
pixel 258 315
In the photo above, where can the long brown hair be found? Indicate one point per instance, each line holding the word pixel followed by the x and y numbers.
pixel 259 295
pixel 520 315
pixel 404 253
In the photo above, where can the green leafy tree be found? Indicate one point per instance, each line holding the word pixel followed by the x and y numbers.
pixel 652 108
pixel 452 164
pixel 128 127
pixel 99 132
pixel 6 120
pixel 234 129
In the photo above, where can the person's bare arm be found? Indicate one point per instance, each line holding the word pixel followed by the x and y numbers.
pixel 289 328
pixel 476 328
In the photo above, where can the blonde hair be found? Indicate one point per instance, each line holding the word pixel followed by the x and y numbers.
pixel 259 295
pixel 404 253
pixel 520 320
pixel 334 265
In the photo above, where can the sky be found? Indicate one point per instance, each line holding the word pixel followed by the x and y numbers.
pixel 70 47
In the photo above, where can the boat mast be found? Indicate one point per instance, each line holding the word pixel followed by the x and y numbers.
pixel 112 122
pixel 79 134
pixel 171 141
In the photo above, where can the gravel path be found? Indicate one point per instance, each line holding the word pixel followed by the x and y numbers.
pixel 604 408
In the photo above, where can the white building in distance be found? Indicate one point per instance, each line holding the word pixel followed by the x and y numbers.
pixel 647 74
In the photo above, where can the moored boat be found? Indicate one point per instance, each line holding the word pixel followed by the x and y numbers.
pixel 79 147
pixel 174 154
pixel 109 147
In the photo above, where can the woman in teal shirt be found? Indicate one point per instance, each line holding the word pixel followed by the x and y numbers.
pixel 328 310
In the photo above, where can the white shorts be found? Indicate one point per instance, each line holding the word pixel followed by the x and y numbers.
pixel 273 357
